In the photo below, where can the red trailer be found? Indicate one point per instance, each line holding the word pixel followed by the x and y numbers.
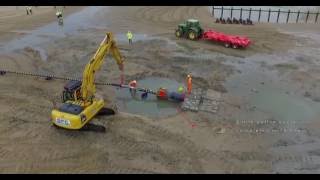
pixel 228 40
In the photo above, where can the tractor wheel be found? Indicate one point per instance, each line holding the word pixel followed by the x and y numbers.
pixel 234 46
pixel 178 33
pixel 227 45
pixel 192 35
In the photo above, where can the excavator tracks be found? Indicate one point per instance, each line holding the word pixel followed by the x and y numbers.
pixel 90 127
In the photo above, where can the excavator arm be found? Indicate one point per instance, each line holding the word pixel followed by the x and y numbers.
pixel 88 88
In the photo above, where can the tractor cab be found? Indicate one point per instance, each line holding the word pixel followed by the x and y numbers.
pixel 192 23
pixel 190 29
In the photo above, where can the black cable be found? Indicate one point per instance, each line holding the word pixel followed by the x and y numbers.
pixel 47 76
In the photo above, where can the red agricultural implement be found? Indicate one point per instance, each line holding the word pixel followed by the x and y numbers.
pixel 228 40
pixel 192 30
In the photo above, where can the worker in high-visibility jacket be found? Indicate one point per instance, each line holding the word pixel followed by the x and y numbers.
pixel 129 36
pixel 59 14
pixel 189 83
pixel 29 10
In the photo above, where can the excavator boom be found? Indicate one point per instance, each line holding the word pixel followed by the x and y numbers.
pixel 88 88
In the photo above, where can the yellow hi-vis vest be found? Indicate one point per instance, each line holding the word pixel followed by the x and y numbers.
pixel 129 35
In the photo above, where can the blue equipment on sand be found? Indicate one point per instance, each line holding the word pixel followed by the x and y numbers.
pixel 176 96
pixel 144 95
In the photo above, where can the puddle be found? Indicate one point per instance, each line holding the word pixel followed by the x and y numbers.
pixel 38 38
pixel 87 18
pixel 151 107
pixel 266 91
pixel 284 107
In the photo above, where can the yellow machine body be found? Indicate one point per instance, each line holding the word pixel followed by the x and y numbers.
pixel 77 121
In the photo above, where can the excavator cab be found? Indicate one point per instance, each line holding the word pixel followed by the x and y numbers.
pixel 71 91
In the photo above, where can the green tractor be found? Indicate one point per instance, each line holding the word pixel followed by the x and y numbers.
pixel 191 29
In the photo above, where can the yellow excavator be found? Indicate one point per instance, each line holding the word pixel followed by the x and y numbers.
pixel 80 104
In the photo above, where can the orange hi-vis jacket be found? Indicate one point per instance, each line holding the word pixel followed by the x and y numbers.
pixel 189 84
pixel 189 81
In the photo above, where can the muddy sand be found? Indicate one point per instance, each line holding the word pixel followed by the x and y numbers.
pixel 280 69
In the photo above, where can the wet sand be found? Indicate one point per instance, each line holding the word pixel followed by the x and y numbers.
pixel 15 22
